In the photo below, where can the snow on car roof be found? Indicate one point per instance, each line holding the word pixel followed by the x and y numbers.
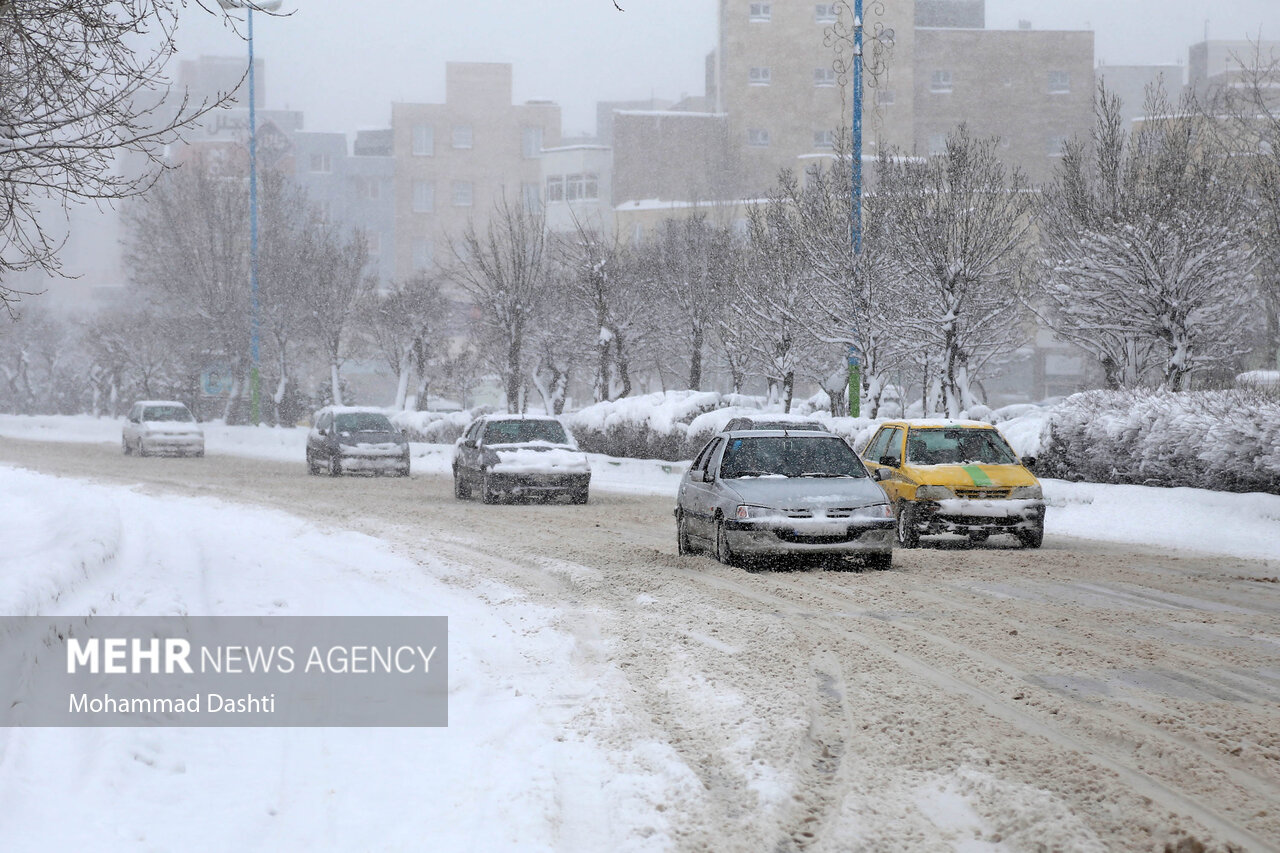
pixel 517 416
pixel 347 410
pixel 941 422
pixel 160 403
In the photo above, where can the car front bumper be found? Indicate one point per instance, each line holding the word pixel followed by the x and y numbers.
pixel 966 517
pixel 172 443
pixel 862 537
pixel 390 457
pixel 537 484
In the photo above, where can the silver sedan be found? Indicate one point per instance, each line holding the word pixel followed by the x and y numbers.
pixel 758 493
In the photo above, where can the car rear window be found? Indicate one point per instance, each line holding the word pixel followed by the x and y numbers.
pixel 521 431
pixel 362 422
pixel 958 447
pixel 790 456
pixel 166 413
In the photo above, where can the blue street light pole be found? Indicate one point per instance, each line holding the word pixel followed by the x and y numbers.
pixel 254 321
pixel 855 212
pixel 254 313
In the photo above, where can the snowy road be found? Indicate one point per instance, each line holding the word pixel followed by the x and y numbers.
pixel 1084 697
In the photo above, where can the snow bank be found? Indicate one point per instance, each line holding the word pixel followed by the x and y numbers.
pixel 1223 440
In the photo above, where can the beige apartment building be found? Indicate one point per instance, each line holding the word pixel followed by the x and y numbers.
pixel 454 161
pixel 774 76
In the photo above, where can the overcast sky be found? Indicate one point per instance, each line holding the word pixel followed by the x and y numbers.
pixel 343 63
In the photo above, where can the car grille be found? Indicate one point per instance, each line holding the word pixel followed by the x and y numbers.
pixel 982 494
pixel 831 512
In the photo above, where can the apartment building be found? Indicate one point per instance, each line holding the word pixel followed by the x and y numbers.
pixel 1033 89
pixel 455 160
pixel 774 75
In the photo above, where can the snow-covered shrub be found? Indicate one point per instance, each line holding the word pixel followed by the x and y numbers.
pixel 1225 440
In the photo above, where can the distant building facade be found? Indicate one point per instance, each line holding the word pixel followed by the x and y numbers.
pixel 454 161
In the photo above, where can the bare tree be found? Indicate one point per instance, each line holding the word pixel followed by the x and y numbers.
pixel 504 270
pixel 339 281
pixel 79 88
pixel 601 278
pixel 685 264
pixel 1148 262
pixel 406 324
pixel 959 228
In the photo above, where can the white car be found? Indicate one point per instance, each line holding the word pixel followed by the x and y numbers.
pixel 161 426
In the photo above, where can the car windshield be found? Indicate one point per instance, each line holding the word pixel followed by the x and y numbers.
pixel 958 447
pixel 362 422
pixel 523 431
pixel 790 456
pixel 166 413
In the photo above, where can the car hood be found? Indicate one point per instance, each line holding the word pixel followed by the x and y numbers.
pixel 807 492
pixel 970 476
pixel 539 458
pixel 173 427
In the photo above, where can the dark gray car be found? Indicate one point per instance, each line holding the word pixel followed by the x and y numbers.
pixel 760 493
pixel 518 456
pixel 347 438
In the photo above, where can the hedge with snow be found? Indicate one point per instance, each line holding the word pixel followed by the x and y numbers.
pixel 1224 440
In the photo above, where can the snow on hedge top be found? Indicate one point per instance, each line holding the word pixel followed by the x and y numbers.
pixel 660 411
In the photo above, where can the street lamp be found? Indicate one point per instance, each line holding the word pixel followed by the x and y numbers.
pixel 255 382
pixel 882 40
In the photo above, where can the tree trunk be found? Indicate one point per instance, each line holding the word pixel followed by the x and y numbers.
pixel 788 390
pixel 402 378
pixel 695 360
pixel 335 383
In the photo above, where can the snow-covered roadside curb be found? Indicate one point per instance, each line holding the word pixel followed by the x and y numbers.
pixel 1224 523
pixel 508 773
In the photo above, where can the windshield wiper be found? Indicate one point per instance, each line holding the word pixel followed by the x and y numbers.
pixel 737 474
pixel 821 474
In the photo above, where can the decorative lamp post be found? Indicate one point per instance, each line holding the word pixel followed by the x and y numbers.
pixel 255 381
pixel 882 39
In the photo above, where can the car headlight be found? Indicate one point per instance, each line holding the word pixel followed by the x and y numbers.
pixel 879 510
pixel 1026 493
pixel 747 511
pixel 934 493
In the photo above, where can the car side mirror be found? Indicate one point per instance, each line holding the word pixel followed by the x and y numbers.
pixel 700 476
pixel 882 474
pixel 1028 461
pixel 889 461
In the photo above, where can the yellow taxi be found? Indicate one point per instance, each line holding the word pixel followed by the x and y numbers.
pixel 953 476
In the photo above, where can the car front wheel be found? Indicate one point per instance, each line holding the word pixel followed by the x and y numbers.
pixel 335 466
pixel 908 535
pixel 1033 537
pixel 683 545
pixel 487 494
pixel 142 450
pixel 124 443
pixel 724 553
pixel 461 490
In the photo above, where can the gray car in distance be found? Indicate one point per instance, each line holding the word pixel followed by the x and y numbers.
pixel 350 438
pixel 519 456
pixel 752 494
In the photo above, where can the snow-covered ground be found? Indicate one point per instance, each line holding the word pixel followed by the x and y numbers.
pixel 505 774
pixel 1240 525
pixel 509 773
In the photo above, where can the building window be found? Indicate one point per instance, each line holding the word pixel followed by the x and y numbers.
pixel 824 77
pixel 937 144
pixel 758 137
pixel 760 76
pixel 424 197
pixel 884 96
pixel 583 187
pixel 825 13
pixel 761 12
pixel 1059 82
pixel 531 195
pixel 424 140
pixel 1056 146
pixel 369 188
pixel 424 253
pixel 321 162
pixel 462 193
pixel 555 188
pixel 940 81
pixel 462 136
pixel 531 141
pixel 824 139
